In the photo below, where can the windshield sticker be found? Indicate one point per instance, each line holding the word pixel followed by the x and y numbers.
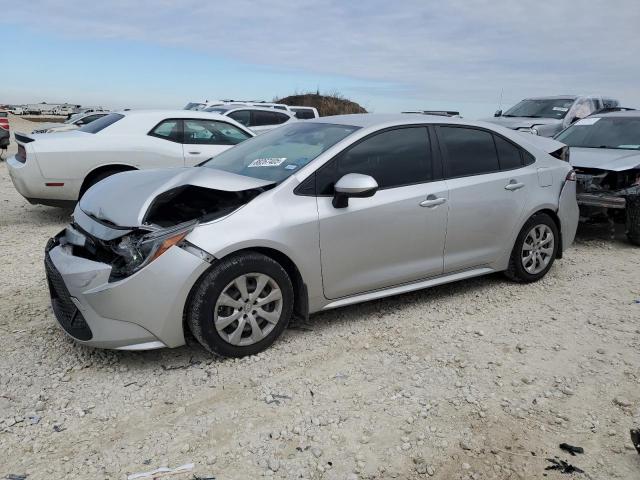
pixel 291 167
pixel 587 121
pixel 560 109
pixel 267 162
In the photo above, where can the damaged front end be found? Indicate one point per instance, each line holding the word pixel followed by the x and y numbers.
pixel 158 215
pixel 599 191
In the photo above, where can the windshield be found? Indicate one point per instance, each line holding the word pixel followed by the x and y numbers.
pixel 603 132
pixel 101 123
pixel 194 106
pixel 279 153
pixel 542 108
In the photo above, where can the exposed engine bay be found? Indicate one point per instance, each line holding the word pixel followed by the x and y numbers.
pixel 171 216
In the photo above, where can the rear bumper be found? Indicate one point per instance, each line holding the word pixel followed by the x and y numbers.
pixel 568 213
pixel 29 182
pixel 601 200
pixel 143 311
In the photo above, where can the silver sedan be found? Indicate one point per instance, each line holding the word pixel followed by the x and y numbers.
pixel 311 216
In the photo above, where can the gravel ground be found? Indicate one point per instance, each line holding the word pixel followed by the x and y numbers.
pixel 480 379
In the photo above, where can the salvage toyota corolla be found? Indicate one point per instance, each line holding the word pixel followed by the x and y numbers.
pixel 307 217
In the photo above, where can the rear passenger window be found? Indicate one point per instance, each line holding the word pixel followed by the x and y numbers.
pixel 393 158
pixel 468 151
pixel 261 118
pixel 508 154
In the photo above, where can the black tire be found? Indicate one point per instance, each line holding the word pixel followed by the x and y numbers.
pixel 633 219
pixel 202 303
pixel 516 271
pixel 91 181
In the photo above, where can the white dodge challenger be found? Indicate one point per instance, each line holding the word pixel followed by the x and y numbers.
pixel 57 169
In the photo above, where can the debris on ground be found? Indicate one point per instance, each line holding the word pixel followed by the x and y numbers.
pixel 635 438
pixel 571 449
pixel 562 466
pixel 14 476
pixel 162 472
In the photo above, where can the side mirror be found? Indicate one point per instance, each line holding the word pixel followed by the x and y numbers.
pixel 498 113
pixel 353 185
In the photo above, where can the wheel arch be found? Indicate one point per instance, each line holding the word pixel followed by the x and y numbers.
pixel 301 295
pixel 554 216
pixel 119 167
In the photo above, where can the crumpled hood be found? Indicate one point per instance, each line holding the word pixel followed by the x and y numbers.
pixel 124 198
pixel 522 122
pixel 604 158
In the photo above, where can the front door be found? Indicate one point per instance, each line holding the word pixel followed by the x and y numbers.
pixel 396 236
pixel 204 139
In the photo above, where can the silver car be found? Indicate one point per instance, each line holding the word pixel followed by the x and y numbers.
pixel 547 116
pixel 311 216
pixel 605 151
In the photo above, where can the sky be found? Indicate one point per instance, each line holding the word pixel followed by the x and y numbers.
pixel 462 55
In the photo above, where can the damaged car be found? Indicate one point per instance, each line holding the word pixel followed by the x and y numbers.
pixel 308 217
pixel 605 153
pixel 547 116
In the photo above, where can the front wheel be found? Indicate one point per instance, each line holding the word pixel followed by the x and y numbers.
pixel 535 249
pixel 241 305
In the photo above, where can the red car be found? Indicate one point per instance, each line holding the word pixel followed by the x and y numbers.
pixel 4 130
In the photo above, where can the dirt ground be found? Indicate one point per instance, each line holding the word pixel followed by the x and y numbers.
pixel 481 379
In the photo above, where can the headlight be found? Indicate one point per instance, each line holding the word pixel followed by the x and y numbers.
pixel 136 251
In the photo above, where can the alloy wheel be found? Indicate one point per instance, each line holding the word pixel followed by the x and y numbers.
pixel 248 309
pixel 537 249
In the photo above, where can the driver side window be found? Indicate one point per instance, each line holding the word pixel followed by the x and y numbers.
pixel 210 132
pixel 394 158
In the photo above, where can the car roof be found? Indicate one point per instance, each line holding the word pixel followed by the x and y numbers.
pixel 557 97
pixel 624 114
pixel 169 113
pixel 365 120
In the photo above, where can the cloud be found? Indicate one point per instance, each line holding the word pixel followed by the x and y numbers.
pixel 459 49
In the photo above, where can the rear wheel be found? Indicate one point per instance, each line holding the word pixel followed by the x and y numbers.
pixel 241 305
pixel 535 249
pixel 91 180
pixel 633 219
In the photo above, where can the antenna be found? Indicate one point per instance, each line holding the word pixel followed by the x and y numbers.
pixel 500 102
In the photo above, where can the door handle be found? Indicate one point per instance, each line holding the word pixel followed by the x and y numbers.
pixel 194 153
pixel 513 185
pixel 432 201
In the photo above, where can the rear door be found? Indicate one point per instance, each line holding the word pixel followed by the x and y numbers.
pixel 394 237
pixel 162 147
pixel 488 183
pixel 204 139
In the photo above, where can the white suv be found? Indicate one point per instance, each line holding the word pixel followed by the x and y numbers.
pixel 258 119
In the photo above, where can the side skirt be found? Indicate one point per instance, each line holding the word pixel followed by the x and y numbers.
pixel 408 287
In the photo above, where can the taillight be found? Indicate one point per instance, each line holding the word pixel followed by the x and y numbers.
pixel 571 176
pixel 4 123
pixel 561 154
pixel 21 156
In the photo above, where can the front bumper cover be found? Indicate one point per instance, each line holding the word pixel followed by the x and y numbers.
pixel 142 311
